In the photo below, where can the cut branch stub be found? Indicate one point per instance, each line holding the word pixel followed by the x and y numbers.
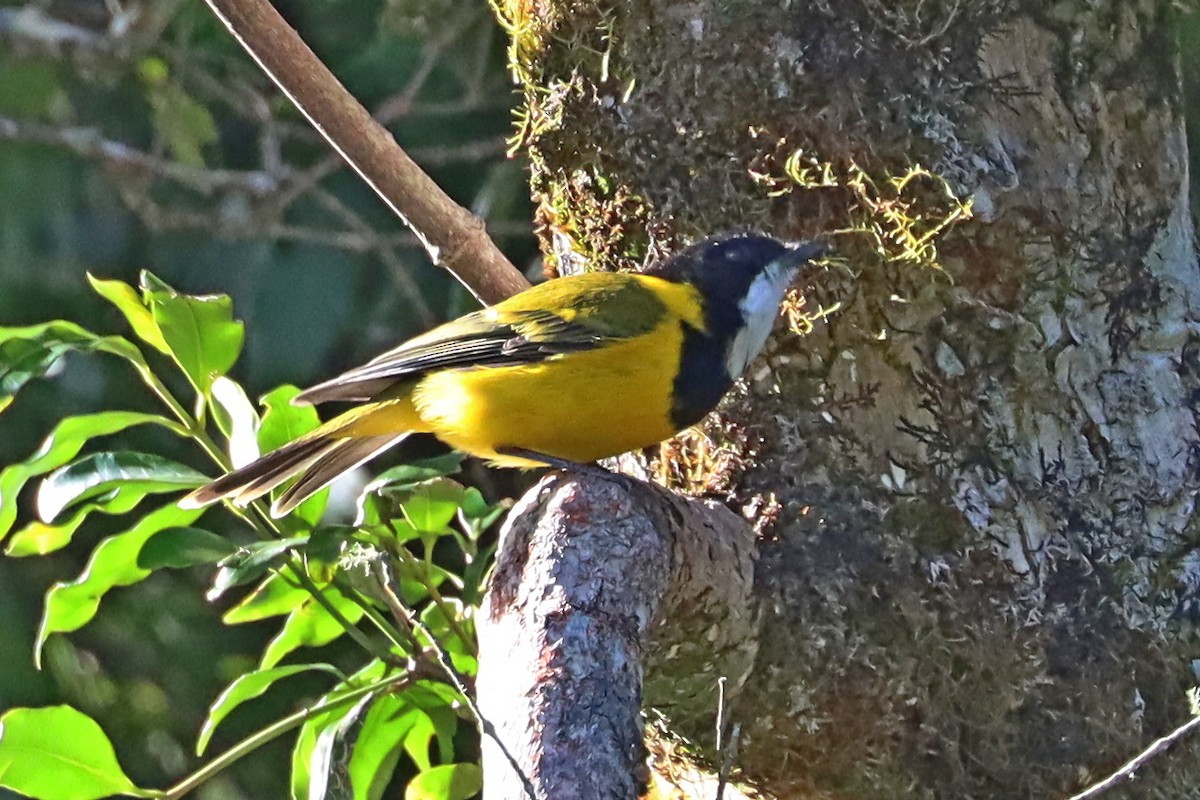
pixel 592 577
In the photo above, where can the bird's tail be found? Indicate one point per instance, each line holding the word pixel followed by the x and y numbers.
pixel 315 459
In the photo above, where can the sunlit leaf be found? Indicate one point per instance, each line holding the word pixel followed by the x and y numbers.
pixel 436 619
pixel 39 538
pixel 319 733
pixel 380 743
pixel 432 505
pixel 275 596
pixel 437 701
pixel 311 625
pixel 446 782
pixel 129 302
pixel 325 749
pixel 30 352
pixel 71 605
pixel 100 473
pixel 203 337
pixel 176 548
pixel 237 419
pixel 58 753
pixel 283 422
pixel 62 445
pixel 246 688
pixel 249 562
pixel 479 514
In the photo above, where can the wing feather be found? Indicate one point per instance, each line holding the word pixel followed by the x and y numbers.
pixel 514 332
pixel 343 456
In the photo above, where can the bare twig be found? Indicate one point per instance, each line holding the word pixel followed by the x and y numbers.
pixel 452 235
pixel 387 254
pixel 1128 770
pixel 34 28
pixel 89 143
pixel 723 778
pixel 388 111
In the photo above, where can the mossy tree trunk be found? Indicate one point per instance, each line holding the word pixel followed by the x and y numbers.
pixel 976 483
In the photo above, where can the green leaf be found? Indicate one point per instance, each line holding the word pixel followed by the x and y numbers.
pixel 30 352
pixel 245 688
pixel 29 89
pixel 62 445
pixel 408 475
pixel 311 625
pixel 283 422
pixel 38 538
pixel 330 739
pixel 129 303
pixel 431 506
pixel 446 782
pixel 71 605
pixel 437 701
pixel 58 753
pixel 119 471
pixel 203 337
pixel 318 734
pixel 480 514
pixel 248 563
pixel 379 745
pixel 308 783
pixel 237 419
pixel 176 548
pixel 434 618
pixel 277 595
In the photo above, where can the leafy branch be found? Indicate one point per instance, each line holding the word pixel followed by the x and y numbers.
pixel 323 580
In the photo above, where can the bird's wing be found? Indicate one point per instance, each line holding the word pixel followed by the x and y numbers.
pixel 589 313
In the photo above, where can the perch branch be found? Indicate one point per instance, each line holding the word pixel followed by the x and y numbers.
pixel 591 578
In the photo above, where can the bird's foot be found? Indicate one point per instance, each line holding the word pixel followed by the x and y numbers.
pixel 565 465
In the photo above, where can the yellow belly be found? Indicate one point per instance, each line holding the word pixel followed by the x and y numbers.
pixel 579 406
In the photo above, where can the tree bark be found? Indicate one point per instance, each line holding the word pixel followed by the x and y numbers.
pixel 585 569
pixel 980 573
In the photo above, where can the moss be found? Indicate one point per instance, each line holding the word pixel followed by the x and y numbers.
pixel 932 527
pixel 901 658
pixel 602 186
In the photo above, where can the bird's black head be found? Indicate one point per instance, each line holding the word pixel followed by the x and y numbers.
pixel 725 267
pixel 741 279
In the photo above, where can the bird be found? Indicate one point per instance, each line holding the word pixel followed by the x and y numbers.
pixel 572 370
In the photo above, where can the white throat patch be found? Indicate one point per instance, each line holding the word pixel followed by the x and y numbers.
pixel 759 309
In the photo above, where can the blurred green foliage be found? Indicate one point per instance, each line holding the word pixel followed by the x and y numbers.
pixel 138 135
pixel 391 705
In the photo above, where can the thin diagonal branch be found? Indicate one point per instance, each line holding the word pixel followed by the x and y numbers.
pixel 1129 769
pixel 453 236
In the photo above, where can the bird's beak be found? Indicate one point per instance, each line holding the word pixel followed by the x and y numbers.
pixel 800 253
pixel 789 265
